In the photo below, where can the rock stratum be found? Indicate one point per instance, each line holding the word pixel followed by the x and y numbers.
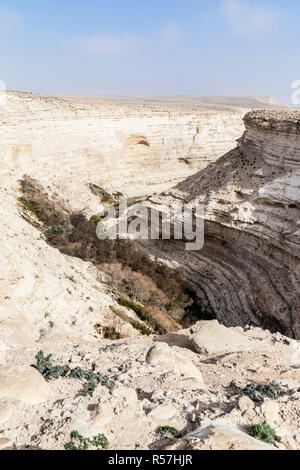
pixel 145 147
pixel 248 271
pixel 194 379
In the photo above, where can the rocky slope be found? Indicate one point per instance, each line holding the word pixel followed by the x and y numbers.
pixel 171 380
pixel 248 271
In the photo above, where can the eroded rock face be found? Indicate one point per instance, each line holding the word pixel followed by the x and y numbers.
pixel 137 148
pixel 66 144
pixel 248 271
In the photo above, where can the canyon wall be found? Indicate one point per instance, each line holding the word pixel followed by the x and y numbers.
pixel 135 148
pixel 249 269
pixel 67 143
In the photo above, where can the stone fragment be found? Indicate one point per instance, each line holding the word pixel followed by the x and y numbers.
pixel 163 412
pixel 245 404
pixel 270 410
pixel 87 427
pixel 6 409
pixel 104 415
pixel 128 394
pixel 161 354
pixel 209 337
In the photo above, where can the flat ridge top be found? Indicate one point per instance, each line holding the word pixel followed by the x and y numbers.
pixel 175 104
pixel 273 115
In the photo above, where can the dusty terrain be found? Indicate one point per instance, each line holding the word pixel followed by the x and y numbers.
pixel 247 275
pixel 170 385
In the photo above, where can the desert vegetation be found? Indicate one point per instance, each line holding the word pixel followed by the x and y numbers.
pixel 263 432
pixel 51 372
pixel 157 294
pixel 80 443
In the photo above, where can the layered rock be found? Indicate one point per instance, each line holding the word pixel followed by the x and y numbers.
pixel 248 270
pixel 66 144
pixel 138 148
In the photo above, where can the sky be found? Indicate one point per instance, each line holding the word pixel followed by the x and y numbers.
pixel 151 47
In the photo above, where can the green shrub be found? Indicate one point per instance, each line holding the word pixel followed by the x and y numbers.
pixel 170 430
pixel 131 305
pixel 29 206
pixel 49 371
pixel 141 328
pixel 257 391
pixel 263 432
pixel 79 442
pixel 111 333
pixel 55 230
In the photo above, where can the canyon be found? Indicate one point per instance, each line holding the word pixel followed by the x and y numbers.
pixel 248 271
pixel 243 166
pixel 145 147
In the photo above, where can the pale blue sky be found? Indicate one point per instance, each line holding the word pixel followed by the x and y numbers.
pixel 151 47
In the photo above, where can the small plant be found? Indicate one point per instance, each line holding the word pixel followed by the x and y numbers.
pixel 264 433
pixel 256 392
pixel 55 230
pixel 29 206
pixel 49 371
pixel 93 378
pixel 95 219
pixel 111 333
pixel 79 442
pixel 131 306
pixel 170 430
pixel 141 328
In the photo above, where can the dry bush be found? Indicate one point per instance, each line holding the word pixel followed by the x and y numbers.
pixel 132 272
pixel 135 284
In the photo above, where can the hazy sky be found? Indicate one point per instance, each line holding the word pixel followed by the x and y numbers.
pixel 151 47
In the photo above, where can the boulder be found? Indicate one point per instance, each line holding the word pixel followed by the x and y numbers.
pixel 270 410
pixel 245 404
pixel 163 413
pixel 161 354
pixel 209 337
pixel 129 395
pixel 23 383
pixel 5 443
pixel 220 436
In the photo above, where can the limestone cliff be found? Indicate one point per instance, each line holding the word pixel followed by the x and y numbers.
pixel 248 270
pixel 138 148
